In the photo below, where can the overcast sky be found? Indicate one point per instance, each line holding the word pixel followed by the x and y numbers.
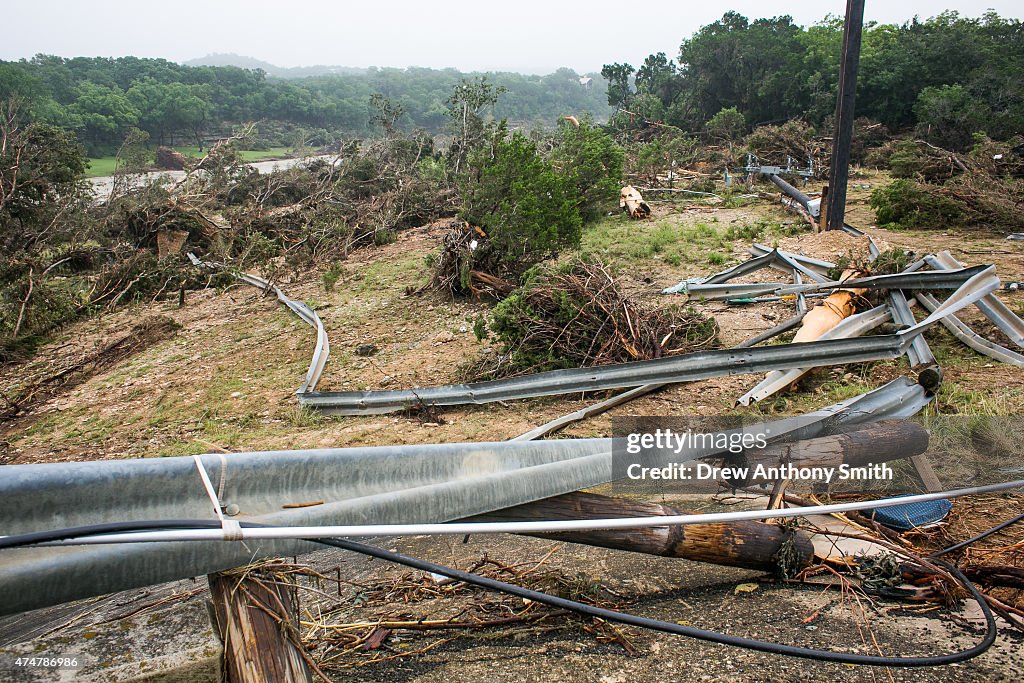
pixel 522 36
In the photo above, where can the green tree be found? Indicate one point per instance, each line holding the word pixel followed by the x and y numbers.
pixel 948 116
pixel 591 162
pixel 105 113
pixel 528 211
pixel 467 111
pixel 39 164
pixel 728 125
pixel 620 93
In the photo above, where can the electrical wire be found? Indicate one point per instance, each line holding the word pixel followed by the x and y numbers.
pixel 114 528
pixel 975 539
pixel 548 526
pixel 691 631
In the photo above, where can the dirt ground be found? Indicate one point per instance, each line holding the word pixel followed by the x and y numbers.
pixel 225 381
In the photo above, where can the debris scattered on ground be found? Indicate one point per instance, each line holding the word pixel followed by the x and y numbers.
pixel 578 315
pixel 54 380
pixel 632 202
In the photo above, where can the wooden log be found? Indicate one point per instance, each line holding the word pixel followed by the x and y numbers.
pixel 632 202
pixel 838 306
pixel 255 618
pixel 876 443
pixel 751 545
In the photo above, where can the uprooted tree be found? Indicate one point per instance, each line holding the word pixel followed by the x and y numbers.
pixel 522 206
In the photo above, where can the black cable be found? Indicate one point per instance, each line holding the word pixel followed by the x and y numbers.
pixel 690 631
pixel 975 539
pixel 22 540
pixel 35 537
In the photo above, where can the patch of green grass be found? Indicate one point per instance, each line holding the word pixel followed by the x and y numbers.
pixel 261 154
pixel 101 166
pixel 305 416
pixel 387 274
pixel 618 240
pixel 91 430
pixel 104 166
pixel 183 447
pixel 333 273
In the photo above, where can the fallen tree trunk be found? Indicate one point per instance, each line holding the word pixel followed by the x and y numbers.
pixel 838 306
pixel 876 443
pixel 632 202
pixel 751 545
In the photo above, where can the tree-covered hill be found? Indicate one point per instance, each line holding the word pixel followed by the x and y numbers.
pixel 949 76
pixel 102 99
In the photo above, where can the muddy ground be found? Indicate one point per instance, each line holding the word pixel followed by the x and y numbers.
pixel 225 381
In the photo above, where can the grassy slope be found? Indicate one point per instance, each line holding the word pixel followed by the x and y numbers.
pixel 227 379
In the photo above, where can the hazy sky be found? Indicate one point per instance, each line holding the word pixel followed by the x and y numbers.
pixel 525 36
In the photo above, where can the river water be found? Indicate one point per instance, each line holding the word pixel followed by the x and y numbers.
pixel 104 185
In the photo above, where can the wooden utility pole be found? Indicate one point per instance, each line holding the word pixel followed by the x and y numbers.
pixel 751 545
pixel 875 443
pixel 256 621
pixel 843 137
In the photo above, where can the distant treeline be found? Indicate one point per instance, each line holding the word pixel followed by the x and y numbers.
pixel 101 99
pixel 949 77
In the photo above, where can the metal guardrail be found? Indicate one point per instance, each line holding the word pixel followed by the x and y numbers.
pixel 683 368
pixel 321 352
pixel 389 484
pixel 853 326
pixel 969 337
pixel 993 309
pixel 933 279
pixel 818 265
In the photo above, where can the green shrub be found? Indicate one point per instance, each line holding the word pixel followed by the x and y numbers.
pixel 527 210
pixel 728 125
pixel 909 204
pixel 592 164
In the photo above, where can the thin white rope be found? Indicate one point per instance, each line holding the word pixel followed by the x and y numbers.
pixel 232 530
pixel 549 526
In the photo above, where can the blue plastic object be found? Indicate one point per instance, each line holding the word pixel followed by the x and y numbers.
pixel 912 515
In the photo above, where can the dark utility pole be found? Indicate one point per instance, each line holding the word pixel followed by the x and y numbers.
pixel 843 136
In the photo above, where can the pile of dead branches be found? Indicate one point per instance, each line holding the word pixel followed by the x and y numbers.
pixel 794 139
pixel 453 265
pixel 579 315
pixel 410 614
pixel 937 188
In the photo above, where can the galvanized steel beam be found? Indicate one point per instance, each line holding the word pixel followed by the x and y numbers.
pixel 379 485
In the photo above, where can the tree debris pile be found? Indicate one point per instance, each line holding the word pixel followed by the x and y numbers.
pixel 937 188
pixel 794 139
pixel 578 315
pixel 453 265
pixel 169 159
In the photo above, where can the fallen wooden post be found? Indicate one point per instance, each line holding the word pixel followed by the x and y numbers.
pixel 632 202
pixel 255 618
pixel 751 545
pixel 875 443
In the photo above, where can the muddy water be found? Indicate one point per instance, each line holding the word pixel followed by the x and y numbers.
pixel 103 185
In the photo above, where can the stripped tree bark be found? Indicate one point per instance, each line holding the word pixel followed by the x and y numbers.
pixel 632 202
pixel 751 545
pixel 875 443
pixel 255 618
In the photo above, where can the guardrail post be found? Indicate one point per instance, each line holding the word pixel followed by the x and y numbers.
pixel 255 618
